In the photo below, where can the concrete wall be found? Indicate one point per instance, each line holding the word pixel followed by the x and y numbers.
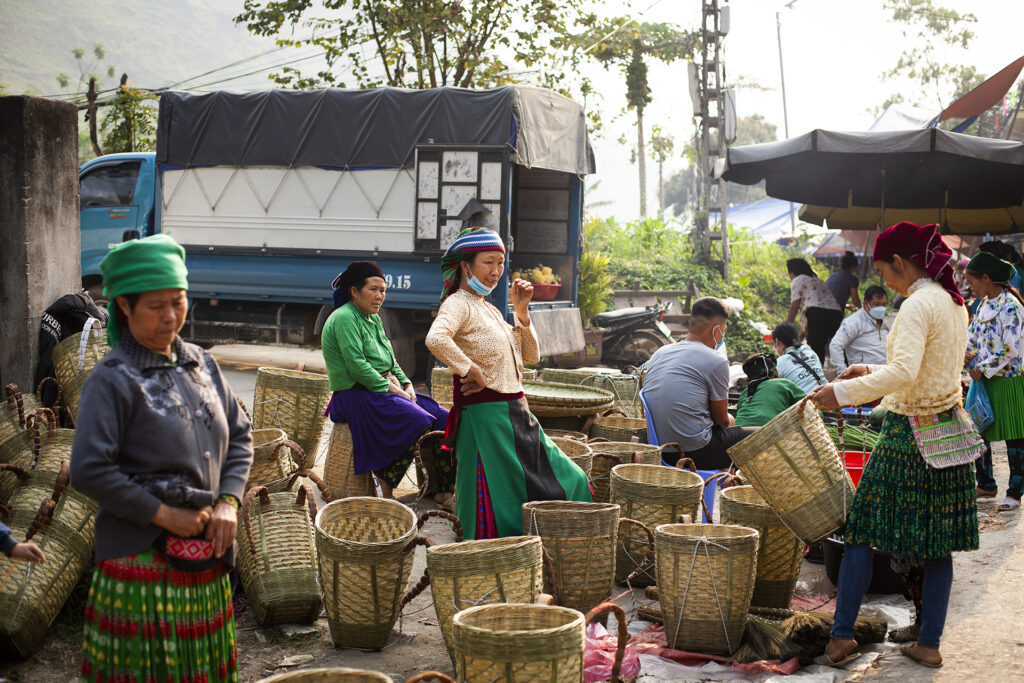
pixel 40 257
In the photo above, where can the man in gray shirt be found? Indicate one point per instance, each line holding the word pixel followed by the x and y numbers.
pixel 686 391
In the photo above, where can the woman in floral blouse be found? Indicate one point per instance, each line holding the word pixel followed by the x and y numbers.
pixel 995 354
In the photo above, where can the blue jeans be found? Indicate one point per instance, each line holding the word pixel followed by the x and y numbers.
pixel 855 576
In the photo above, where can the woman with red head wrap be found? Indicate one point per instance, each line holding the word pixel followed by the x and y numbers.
pixel 916 498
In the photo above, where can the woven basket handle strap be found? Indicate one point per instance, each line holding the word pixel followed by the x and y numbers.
pixel 803 406
pixel 264 495
pixel 614 411
pixel 295 448
pixel 686 464
pixel 587 424
pixel 46 509
pixel 598 439
pixel 430 676
pixel 443 514
pixel 424 581
pixel 312 476
pixel 418 461
pixel 20 473
pixel 686 519
pixel 648 560
pixel 306 497
pixel 729 479
pixel 15 402
pixel 245 409
pixel 548 567
pixel 616 460
pixel 39 390
pixel 620 619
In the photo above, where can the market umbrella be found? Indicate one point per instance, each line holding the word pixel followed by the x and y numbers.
pixel 912 169
pixel 958 221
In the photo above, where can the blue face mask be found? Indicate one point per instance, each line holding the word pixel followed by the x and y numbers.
pixel 877 312
pixel 479 287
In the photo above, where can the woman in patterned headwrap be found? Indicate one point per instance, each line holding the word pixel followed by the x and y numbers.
pixel 503 457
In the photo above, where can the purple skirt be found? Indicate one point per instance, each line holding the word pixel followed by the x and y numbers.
pixel 384 425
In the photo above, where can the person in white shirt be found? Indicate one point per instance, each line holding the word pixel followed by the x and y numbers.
pixel 862 336
pixel 797 362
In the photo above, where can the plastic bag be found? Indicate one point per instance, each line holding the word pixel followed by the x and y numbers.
pixel 978 406
pixel 599 656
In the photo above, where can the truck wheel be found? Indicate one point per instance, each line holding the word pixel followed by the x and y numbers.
pixel 400 331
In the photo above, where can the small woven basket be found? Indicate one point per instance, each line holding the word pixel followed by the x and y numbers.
pixel 518 643
pixel 795 466
pixel 580 540
pixel 277 553
pixel 619 428
pixel 780 552
pixel 295 402
pixel 705 580
pixel 271 465
pixel 577 451
pixel 339 466
pixel 73 361
pixel 336 675
pixel 473 573
pixel 652 495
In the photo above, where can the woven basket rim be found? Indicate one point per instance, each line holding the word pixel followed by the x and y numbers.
pixel 333 506
pixel 571 619
pixel 293 374
pixel 620 447
pixel 765 437
pixel 280 435
pixel 623 471
pixel 698 531
pixel 621 422
pixel 745 495
pixel 577 395
pixel 573 506
pixel 487 545
pixel 578 447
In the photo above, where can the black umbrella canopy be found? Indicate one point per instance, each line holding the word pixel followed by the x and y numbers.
pixel 912 169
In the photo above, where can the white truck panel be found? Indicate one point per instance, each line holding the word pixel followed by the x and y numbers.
pixel 290 208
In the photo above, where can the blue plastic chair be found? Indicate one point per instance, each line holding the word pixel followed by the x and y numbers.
pixel 709 489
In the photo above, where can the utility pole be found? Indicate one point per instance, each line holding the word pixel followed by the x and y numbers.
pixel 785 110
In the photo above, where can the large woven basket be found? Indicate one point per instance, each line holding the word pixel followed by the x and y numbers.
pixel 14 443
pixel 780 552
pixel 339 466
pixel 573 375
pixel 277 553
pixel 336 675
pixel 619 427
pixel 41 447
pixel 577 451
pixel 705 580
pixel 793 463
pixel 652 495
pixel 295 402
pixel 272 463
pixel 73 361
pixel 46 510
pixel 365 553
pixel 474 573
pixel 15 402
pixel 441 386
pixel 518 643
pixel 625 387
pixel 549 399
pixel 580 540
pixel 609 454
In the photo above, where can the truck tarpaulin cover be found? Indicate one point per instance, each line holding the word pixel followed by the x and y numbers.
pixel 368 128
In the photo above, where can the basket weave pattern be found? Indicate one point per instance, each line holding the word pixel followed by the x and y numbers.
pixel 618 428
pixel 780 552
pixel 795 466
pixel 364 554
pixel 652 495
pixel 270 467
pixel 339 466
pixel 295 402
pixel 474 573
pixel 65 365
pixel 550 399
pixel 521 643
pixel 580 453
pixel 705 580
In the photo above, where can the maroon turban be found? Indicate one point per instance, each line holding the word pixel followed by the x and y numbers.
pixel 924 246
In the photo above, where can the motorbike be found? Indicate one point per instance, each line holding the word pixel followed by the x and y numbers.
pixel 632 335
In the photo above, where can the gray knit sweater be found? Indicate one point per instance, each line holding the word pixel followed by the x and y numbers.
pixel 140 414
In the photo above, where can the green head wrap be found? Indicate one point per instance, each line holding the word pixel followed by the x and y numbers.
pixel 996 268
pixel 136 266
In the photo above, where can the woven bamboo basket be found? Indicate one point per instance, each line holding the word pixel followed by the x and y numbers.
pixel 72 364
pixel 46 510
pixel 441 386
pixel 652 495
pixel 566 434
pixel 481 572
pixel 577 451
pixel 41 445
pixel 295 402
pixel 795 466
pixel 580 540
pixel 705 581
pixel 271 465
pixel 339 467
pixel 336 675
pixel 14 442
pixel 619 427
pixel 608 454
pixel 625 387
pixel 15 401
pixel 549 399
pixel 277 552
pixel 573 375
pixel 364 555
pixel 779 554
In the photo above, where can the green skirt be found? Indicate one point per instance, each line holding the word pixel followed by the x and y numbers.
pixel 909 509
pixel 1007 397
pixel 504 459
pixel 145 621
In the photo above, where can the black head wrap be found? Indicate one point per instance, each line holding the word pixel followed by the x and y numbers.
pixel 996 268
pixel 354 276
pixel 758 369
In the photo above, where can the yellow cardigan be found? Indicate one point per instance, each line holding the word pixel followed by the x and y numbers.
pixel 924 357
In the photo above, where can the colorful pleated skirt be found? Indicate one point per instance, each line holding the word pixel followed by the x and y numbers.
pixel 1007 397
pixel 145 621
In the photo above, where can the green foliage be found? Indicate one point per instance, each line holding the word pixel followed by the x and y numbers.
pixel 129 122
pixel 87 69
pixel 596 279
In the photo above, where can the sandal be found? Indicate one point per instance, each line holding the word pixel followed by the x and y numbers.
pixel 986 493
pixel 844 659
pixel 907 650
pixel 1008 505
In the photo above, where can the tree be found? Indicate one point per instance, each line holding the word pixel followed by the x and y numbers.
pixel 129 123
pixel 629 44
pixel 424 43
pixel 86 70
pixel 662 145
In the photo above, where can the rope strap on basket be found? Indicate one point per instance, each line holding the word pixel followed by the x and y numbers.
pixel 16 402
pixel 703 542
pixel 623 637
pixel 648 560
pixel 420 467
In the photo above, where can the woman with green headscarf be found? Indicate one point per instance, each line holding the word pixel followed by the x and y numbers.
pixel 503 458
pixel 995 357
pixel 162 444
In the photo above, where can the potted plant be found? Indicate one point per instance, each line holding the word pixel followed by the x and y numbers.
pixel 592 296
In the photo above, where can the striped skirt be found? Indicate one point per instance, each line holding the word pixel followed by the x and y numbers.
pixel 147 622
pixel 1007 397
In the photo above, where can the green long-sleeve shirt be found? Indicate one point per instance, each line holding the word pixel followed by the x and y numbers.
pixel 356 350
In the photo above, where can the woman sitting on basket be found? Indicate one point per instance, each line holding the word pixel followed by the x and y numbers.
pixel 504 458
pixel 916 499
pixel 371 393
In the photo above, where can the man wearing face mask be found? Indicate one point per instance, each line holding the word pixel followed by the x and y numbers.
pixel 862 336
pixel 686 389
